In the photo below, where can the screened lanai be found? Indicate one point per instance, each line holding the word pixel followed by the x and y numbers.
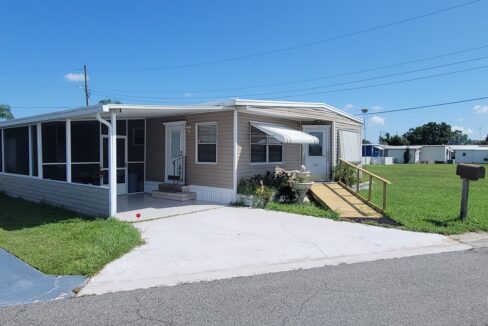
pixel 81 159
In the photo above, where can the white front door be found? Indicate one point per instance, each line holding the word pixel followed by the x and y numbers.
pixel 121 163
pixel 175 152
pixel 317 156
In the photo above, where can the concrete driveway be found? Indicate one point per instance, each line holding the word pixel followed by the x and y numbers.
pixel 229 242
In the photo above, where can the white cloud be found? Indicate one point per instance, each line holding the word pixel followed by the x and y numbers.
pixel 188 94
pixel 73 77
pixel 460 119
pixel 481 109
pixel 375 108
pixel 348 106
pixel 376 121
pixel 467 131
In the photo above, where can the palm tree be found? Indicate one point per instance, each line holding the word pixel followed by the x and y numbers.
pixel 5 112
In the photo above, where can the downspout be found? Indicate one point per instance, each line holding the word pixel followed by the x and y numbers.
pixel 234 154
pixel 111 169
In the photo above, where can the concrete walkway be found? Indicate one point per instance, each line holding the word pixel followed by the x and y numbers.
pixel 230 242
pixel 21 284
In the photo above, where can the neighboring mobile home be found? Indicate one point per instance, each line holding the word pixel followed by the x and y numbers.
pixel 403 154
pixel 471 154
pixel 84 158
pixel 436 153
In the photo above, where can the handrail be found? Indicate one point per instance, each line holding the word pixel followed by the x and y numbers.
pixel 179 168
pixel 366 171
pixel 370 185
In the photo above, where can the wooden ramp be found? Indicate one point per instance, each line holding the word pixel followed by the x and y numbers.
pixel 343 202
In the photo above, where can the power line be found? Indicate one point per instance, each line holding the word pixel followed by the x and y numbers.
pixel 315 87
pixel 383 84
pixel 298 46
pixel 428 106
pixel 308 79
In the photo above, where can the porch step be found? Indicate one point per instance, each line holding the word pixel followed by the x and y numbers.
pixel 175 195
pixel 170 187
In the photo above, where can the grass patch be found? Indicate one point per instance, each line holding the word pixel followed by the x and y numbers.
pixel 426 197
pixel 57 241
pixel 309 209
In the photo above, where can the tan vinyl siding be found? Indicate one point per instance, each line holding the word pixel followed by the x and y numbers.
pixel 292 154
pixel 211 175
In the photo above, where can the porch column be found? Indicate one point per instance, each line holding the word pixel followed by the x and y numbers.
pixel 39 150
pixel 112 164
pixel 234 153
pixel 31 159
pixel 3 152
pixel 68 150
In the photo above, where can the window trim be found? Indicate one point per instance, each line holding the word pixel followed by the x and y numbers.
pixel 216 142
pixel 267 162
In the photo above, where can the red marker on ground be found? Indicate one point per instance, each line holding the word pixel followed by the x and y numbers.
pixel 138 215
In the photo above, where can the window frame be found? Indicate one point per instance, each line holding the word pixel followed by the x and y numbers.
pixel 267 162
pixel 216 142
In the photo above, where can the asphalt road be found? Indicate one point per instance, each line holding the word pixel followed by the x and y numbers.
pixel 441 289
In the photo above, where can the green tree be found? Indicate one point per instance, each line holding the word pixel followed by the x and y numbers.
pixel 394 140
pixel 109 101
pixel 5 112
pixel 431 133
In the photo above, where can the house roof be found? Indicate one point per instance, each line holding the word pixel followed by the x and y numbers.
pixel 403 147
pixel 148 111
pixel 289 104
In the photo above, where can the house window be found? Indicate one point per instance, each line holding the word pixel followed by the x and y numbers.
pixel 206 139
pixel 264 148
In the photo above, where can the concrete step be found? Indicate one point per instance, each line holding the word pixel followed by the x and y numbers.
pixel 175 195
pixel 171 187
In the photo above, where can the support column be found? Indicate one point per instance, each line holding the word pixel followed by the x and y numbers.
pixel 68 150
pixel 3 152
pixel 234 153
pixel 112 164
pixel 39 150
pixel 30 151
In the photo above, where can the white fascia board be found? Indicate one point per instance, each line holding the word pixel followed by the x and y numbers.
pixel 287 104
pixel 59 115
pixel 161 107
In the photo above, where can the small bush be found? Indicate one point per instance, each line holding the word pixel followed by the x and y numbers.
pixel 279 183
pixel 263 196
pixel 345 174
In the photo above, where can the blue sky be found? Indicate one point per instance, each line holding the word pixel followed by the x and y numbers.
pixel 123 41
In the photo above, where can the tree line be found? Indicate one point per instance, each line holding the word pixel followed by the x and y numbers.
pixel 431 133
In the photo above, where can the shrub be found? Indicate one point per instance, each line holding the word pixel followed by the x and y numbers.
pixel 277 182
pixel 263 196
pixel 345 174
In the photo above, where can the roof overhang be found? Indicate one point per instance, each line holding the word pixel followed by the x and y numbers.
pixel 311 110
pixel 285 134
pixel 123 112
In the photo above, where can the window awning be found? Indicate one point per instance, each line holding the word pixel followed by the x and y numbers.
pixel 285 134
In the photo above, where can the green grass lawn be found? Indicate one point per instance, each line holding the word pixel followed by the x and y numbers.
pixel 59 242
pixel 309 209
pixel 426 197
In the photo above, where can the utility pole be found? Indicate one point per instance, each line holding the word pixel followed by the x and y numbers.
pixel 365 112
pixel 86 86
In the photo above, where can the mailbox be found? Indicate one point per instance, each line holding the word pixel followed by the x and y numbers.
pixel 470 171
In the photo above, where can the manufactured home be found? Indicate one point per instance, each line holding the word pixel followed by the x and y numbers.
pixel 86 159
pixel 471 154
pixel 436 154
pixel 403 154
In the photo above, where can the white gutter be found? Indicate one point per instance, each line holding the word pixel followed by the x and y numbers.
pixel 234 153
pixel 112 148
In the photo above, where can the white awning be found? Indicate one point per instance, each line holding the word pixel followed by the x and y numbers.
pixel 285 134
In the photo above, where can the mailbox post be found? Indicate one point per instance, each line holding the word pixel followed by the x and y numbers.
pixel 468 172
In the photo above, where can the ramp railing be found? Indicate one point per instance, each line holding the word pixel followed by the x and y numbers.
pixel 359 173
